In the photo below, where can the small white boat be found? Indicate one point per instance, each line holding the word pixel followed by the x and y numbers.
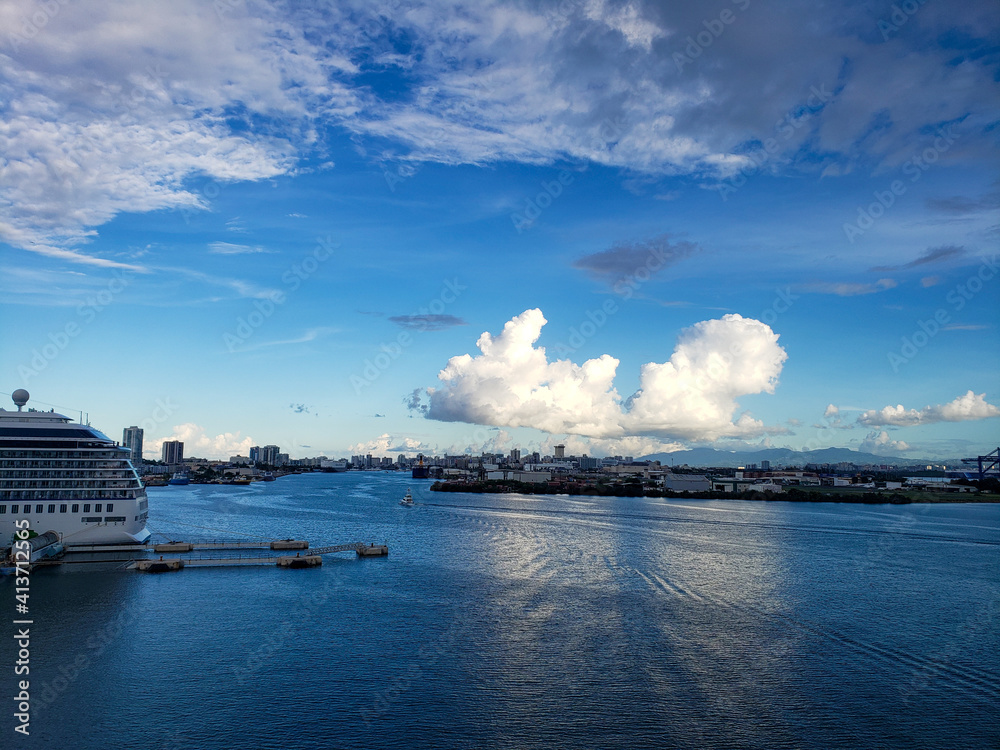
pixel 407 499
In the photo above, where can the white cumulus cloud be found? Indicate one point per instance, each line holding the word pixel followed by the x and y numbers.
pixel 965 408
pixel 385 444
pixel 880 443
pixel 198 443
pixel 692 396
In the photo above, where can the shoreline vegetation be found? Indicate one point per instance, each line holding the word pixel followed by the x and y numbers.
pixel 793 494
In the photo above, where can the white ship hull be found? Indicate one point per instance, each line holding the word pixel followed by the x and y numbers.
pixel 125 523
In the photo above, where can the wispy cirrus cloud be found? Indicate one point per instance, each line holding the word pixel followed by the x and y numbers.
pixel 228 248
pixel 313 334
pixel 850 289
pixel 241 287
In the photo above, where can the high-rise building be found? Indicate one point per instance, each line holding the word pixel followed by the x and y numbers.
pixel 560 451
pixel 515 455
pixel 173 452
pixel 132 439
pixel 765 465
pixel 269 455
pixel 255 454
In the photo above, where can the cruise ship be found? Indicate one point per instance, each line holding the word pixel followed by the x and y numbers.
pixel 67 478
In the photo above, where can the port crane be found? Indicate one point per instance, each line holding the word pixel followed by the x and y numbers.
pixel 987 464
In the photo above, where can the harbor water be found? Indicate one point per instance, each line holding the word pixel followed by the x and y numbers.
pixel 514 621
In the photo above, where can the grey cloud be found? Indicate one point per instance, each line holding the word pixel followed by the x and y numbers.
pixel 427 322
pixel 624 260
pixel 932 255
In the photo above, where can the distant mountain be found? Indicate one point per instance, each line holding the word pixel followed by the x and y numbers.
pixel 779 457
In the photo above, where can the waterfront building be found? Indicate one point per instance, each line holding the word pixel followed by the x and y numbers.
pixel 173 452
pixel 269 455
pixel 132 439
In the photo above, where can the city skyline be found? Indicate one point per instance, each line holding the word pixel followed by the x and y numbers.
pixel 626 228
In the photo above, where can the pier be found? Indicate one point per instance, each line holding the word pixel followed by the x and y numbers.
pixel 312 558
pixel 280 544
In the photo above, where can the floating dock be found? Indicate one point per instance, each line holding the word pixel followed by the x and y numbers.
pixel 313 558
pixel 281 544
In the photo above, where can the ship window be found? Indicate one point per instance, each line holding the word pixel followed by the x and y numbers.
pixel 13 508
pixel 76 508
pixel 3 508
pixel 91 519
pixel 38 508
pixel 111 507
pixel 86 507
pixel 114 519
pixel 62 508
pixel 52 508
pixel 97 508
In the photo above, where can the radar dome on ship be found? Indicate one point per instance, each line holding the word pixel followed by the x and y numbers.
pixel 20 398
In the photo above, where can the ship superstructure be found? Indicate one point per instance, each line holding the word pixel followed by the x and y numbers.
pixel 67 478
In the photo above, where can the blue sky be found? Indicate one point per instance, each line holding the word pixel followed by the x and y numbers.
pixel 627 227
